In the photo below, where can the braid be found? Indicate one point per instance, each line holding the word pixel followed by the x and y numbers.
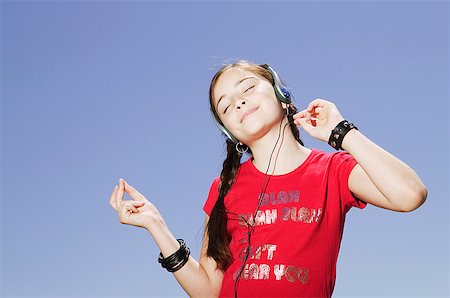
pixel 219 236
pixel 294 128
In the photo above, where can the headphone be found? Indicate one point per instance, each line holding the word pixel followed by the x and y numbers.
pixel 281 91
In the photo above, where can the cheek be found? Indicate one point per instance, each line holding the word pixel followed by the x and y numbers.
pixel 269 102
pixel 231 120
pixel 267 96
pixel 227 120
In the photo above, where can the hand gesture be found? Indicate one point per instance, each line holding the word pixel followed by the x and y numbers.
pixel 319 118
pixel 137 212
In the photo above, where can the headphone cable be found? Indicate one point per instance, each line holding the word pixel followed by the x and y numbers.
pixel 252 225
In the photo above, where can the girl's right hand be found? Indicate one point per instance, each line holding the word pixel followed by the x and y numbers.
pixel 137 212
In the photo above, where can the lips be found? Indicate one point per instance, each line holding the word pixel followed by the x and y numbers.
pixel 248 113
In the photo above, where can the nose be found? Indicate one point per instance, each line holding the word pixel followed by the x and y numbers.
pixel 240 102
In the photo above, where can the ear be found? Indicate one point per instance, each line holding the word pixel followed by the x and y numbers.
pixel 285 105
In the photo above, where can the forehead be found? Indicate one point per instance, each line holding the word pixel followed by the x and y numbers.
pixel 227 80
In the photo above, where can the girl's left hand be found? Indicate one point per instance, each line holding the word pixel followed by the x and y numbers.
pixel 319 119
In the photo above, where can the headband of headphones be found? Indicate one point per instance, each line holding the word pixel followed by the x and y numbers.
pixel 281 91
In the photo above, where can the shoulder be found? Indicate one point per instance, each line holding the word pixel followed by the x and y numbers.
pixel 331 162
pixel 331 157
pixel 214 187
pixel 212 195
pixel 215 183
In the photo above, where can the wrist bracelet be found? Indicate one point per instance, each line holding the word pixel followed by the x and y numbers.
pixel 338 133
pixel 176 260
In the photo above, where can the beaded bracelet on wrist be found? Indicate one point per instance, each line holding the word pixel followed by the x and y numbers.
pixel 176 260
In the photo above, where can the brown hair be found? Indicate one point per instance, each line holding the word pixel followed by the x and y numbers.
pixel 219 236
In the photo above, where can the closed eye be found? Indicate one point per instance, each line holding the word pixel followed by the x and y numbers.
pixel 249 88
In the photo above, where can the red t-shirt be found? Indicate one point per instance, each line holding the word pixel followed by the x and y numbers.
pixel 298 228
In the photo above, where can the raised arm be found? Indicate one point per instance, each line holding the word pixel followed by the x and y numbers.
pixel 198 279
pixel 379 178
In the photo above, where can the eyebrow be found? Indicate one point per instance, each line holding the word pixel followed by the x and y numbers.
pixel 235 85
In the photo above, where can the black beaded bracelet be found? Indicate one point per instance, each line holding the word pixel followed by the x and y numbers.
pixel 338 133
pixel 176 260
pixel 173 257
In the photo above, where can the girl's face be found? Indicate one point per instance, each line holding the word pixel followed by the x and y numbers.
pixel 246 104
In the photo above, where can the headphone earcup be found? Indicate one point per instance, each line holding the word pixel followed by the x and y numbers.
pixel 283 94
pixel 281 91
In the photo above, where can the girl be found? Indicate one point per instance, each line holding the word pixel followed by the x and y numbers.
pixel 277 234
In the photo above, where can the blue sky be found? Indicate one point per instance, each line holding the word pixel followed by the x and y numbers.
pixel 96 90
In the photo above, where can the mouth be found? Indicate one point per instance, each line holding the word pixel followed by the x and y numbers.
pixel 248 113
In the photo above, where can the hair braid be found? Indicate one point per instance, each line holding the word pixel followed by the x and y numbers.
pixel 294 128
pixel 219 236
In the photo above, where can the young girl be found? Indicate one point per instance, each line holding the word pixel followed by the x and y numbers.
pixel 274 223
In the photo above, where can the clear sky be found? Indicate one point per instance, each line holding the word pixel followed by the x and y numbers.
pixel 92 91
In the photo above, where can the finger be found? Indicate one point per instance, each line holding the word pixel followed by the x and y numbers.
pixel 134 194
pixel 305 125
pixel 315 103
pixel 131 205
pixel 300 114
pixel 119 194
pixel 317 110
pixel 112 199
pixel 127 211
pixel 130 209
pixel 306 116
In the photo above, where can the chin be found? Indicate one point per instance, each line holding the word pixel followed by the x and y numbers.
pixel 253 132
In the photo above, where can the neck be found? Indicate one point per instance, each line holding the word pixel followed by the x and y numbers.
pixel 286 157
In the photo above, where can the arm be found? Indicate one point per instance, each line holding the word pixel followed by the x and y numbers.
pixel 380 178
pixel 198 279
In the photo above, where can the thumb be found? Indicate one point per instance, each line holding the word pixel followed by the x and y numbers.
pixel 134 194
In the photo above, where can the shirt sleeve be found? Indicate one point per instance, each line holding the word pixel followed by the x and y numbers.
pixel 212 196
pixel 344 165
